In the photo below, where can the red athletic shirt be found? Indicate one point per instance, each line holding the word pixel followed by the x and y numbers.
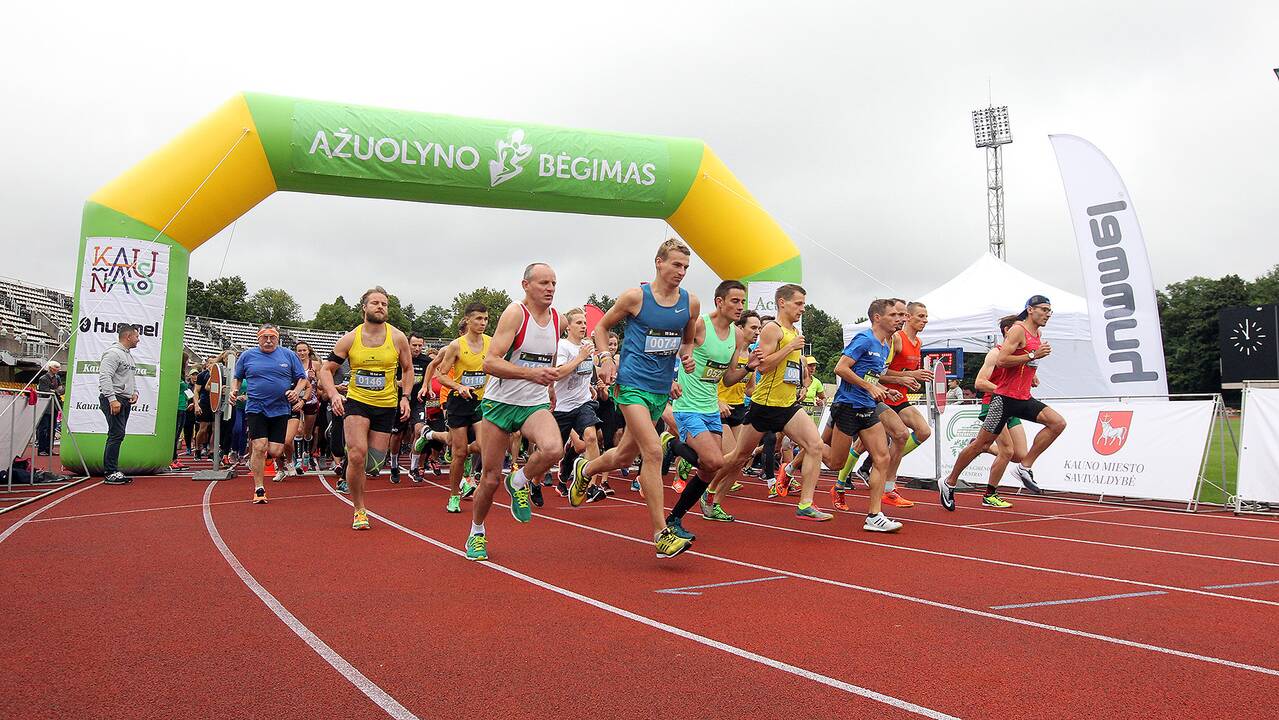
pixel 996 376
pixel 908 358
pixel 1017 381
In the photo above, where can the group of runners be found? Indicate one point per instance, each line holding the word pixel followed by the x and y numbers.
pixel 675 385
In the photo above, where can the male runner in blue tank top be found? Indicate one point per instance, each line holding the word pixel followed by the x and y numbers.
pixel 660 331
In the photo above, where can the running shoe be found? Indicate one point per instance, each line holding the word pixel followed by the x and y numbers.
pixel 435 468
pixel 547 479
pixel 995 501
pixel 665 440
pixel 736 486
pixel 416 475
pixel 879 522
pixel 668 544
pixel 297 468
pixel 892 498
pixel 279 476
pixel 772 489
pixel 259 496
pixel 177 466
pixel 395 475
pixel 361 521
pixel 676 525
pixel 342 488
pixel 837 498
pixel 419 445
pixel 448 454
pixel 794 486
pixel 467 488
pixel 561 488
pixel 455 504
pixel 117 478
pixel 781 482
pixel 1027 477
pixel 626 472
pixel 608 491
pixel 683 469
pixel 705 502
pixel 520 509
pixel 946 493
pixel 595 494
pixel 477 547
pixel 811 512
pixel 679 485
pixel 535 493
pixel 577 491
pixel 635 486
pixel 717 514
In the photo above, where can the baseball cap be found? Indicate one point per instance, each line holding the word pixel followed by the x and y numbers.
pixel 1032 301
pixel 810 360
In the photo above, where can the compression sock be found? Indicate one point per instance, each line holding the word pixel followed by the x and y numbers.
pixel 848 467
pixel 519 480
pixel 477 529
pixel 912 442
pixel 692 492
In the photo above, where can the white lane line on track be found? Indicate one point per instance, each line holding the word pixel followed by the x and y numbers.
pixel 1045 518
pixel 930 603
pixel 1072 518
pixel 1243 584
pixel 14 527
pixel 973 558
pixel 339 663
pixel 671 629
pixel 1070 601
pixel 1099 543
pixel 196 505
pixel 685 590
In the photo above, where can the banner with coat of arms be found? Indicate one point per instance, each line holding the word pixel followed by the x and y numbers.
pixel 1132 448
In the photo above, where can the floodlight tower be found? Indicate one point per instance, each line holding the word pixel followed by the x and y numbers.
pixel 991 131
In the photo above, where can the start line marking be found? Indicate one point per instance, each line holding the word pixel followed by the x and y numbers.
pixel 684 590
pixel 1097 598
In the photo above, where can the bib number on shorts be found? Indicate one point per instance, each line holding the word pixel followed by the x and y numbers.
pixel 473 378
pixel 713 372
pixel 662 342
pixel 792 374
pixel 369 380
pixel 534 360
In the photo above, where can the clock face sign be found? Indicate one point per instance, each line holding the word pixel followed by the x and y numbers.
pixel 1248 336
pixel 1247 343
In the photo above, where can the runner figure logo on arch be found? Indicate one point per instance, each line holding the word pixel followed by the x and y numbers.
pixel 1111 431
pixel 512 153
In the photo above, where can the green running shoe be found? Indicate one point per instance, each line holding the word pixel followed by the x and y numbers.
pixel 448 455
pixel 736 486
pixel 419 445
pixel 810 512
pixel 466 489
pixel 676 525
pixel 466 467
pixel 455 504
pixel 705 502
pixel 683 469
pixel 665 439
pixel 477 548
pixel 520 509
pixel 717 514
pixel 668 544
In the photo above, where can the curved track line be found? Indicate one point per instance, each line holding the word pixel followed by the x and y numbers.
pixel 671 629
pixel 14 527
pixel 339 663
pixel 930 603
pixel 1057 538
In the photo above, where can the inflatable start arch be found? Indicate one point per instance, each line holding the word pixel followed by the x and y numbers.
pixel 138 231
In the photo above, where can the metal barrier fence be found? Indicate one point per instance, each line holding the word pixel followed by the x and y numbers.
pixel 26 418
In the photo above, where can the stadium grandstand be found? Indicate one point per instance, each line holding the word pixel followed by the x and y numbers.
pixel 35 322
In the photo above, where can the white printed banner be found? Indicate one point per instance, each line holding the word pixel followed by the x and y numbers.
pixel 1259 449
pixel 761 296
pixel 1112 253
pixel 123 281
pixel 1138 448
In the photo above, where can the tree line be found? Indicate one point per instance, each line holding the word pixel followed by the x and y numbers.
pixel 1187 313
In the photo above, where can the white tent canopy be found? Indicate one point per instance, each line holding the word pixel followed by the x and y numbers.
pixel 965 312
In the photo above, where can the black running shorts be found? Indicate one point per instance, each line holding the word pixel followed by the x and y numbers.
pixel 736 415
pixel 852 420
pixel 461 412
pixel 1004 408
pixel 263 426
pixel 768 418
pixel 381 419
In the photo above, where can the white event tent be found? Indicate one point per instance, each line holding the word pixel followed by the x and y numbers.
pixel 965 312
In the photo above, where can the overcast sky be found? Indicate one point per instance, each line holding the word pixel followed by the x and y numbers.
pixel 848 121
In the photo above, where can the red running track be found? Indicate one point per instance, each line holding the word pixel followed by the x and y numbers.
pixel 120 603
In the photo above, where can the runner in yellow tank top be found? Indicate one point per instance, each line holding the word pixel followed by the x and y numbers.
pixel 460 367
pixel 775 402
pixel 369 410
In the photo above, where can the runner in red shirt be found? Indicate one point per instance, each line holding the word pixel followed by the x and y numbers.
pixel 1018 357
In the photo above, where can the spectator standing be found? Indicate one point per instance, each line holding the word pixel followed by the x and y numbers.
pixel 184 400
pixel 117 392
pixel 954 394
pixel 50 382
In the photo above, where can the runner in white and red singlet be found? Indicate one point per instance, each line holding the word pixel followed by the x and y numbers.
pixel 1018 356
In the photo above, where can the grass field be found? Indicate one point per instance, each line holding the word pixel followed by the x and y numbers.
pixel 1213 469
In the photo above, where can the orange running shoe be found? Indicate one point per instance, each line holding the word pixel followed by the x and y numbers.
pixel 679 485
pixel 783 481
pixel 837 498
pixel 892 498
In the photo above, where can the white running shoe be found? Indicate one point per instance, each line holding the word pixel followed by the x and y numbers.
pixel 879 522
pixel 1027 478
pixel 279 475
pixel 947 494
